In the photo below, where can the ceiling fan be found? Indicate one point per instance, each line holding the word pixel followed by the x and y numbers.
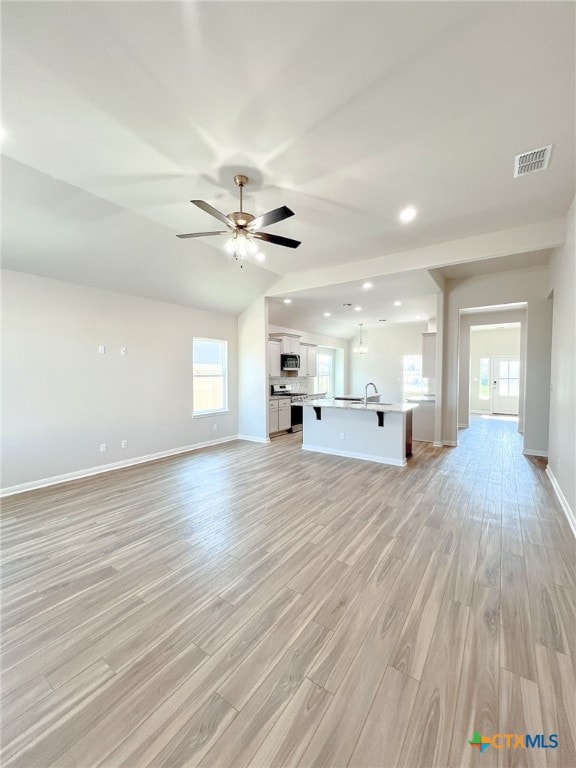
pixel 244 228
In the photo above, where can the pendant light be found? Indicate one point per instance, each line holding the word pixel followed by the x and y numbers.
pixel 361 349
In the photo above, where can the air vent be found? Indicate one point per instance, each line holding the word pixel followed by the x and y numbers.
pixel 530 162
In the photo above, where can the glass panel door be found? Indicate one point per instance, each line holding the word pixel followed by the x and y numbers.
pixel 505 384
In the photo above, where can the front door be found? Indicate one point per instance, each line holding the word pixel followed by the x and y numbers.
pixel 505 384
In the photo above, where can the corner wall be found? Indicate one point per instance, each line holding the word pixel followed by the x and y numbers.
pixel 562 449
pixel 62 399
pixel 252 373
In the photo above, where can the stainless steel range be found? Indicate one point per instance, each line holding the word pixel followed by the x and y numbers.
pixel 297 415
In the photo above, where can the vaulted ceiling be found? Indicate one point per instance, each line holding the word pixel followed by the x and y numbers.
pixel 116 114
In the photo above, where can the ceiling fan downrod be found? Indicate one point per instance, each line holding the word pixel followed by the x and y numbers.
pixel 240 180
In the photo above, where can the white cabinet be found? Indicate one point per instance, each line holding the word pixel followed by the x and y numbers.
pixel 279 415
pixel 274 357
pixel 311 360
pixel 423 420
pixel 307 360
pixel 284 414
pixel 289 344
pixel 272 416
pixel 429 355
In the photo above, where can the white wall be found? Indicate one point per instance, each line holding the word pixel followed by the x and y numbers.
pixel 383 363
pixel 522 285
pixel 562 447
pixel 252 373
pixel 61 399
pixel 497 342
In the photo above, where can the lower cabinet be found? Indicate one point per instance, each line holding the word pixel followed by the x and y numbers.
pixel 279 415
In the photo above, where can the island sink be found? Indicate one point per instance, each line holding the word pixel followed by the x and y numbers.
pixel 371 399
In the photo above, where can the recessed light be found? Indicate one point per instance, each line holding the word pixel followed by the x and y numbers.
pixel 287 301
pixel 407 214
pixel 327 314
pixel 397 303
pixel 366 286
pixel 357 309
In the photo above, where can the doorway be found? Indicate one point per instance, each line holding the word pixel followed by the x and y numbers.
pixel 495 368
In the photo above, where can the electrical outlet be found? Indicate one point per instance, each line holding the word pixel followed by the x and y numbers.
pixel 124 444
pixel 122 350
pixel 101 349
pixel 215 427
pixel 103 447
pixel 342 435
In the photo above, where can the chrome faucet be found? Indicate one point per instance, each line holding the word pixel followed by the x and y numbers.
pixel 370 384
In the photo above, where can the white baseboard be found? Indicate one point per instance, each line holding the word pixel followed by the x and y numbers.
pixel 70 476
pixel 464 426
pixel 530 452
pixel 361 456
pixel 450 443
pixel 563 501
pixel 253 439
pixel 438 445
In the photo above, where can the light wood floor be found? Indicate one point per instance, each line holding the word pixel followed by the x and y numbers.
pixel 254 605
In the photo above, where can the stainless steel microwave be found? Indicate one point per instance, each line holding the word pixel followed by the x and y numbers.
pixel 290 362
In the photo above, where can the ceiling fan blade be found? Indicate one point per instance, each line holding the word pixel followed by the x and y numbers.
pixel 278 214
pixel 277 239
pixel 213 212
pixel 204 234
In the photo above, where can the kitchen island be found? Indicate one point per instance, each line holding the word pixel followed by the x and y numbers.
pixel 375 431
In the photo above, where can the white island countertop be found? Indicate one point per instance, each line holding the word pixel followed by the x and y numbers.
pixel 330 402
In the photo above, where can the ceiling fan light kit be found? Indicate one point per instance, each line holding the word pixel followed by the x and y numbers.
pixel 244 227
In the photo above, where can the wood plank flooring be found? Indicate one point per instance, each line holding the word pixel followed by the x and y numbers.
pixel 254 605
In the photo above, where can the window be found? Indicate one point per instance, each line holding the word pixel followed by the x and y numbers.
pixel 209 377
pixel 413 383
pixel 325 371
pixel 508 378
pixel 484 379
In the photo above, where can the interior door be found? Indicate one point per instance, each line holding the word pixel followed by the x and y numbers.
pixel 505 384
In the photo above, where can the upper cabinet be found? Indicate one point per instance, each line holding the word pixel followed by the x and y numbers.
pixel 274 357
pixel 307 360
pixel 289 343
pixel 429 355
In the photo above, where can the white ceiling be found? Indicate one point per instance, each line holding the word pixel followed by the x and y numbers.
pixel 415 290
pixel 116 114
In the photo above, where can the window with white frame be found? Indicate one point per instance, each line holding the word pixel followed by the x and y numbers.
pixel 413 383
pixel 325 362
pixel 484 379
pixel 209 376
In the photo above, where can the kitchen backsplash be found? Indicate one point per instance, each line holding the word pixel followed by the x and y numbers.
pixel 299 385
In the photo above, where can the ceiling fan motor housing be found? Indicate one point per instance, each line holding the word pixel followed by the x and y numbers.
pixel 241 219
